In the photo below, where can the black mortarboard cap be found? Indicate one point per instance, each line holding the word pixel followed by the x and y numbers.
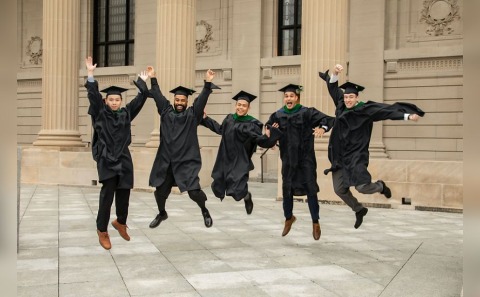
pixel 244 96
pixel 291 88
pixel 114 90
pixel 350 88
pixel 182 91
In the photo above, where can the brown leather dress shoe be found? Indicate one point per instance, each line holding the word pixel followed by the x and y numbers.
pixel 104 240
pixel 316 231
pixel 122 230
pixel 288 225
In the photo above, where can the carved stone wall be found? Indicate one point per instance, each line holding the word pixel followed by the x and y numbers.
pixel 424 65
pixel 30 27
pixel 210 27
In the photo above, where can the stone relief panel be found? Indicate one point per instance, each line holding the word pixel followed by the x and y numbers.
pixel 35 50
pixel 439 16
pixel 204 36
pixel 211 27
pixel 422 23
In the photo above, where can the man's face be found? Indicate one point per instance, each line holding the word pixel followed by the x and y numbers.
pixel 180 103
pixel 113 101
pixel 242 107
pixel 290 99
pixel 350 100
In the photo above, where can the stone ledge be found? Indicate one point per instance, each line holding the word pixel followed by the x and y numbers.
pixel 439 209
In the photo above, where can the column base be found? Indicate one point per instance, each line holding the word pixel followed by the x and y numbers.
pixel 61 138
pixel 321 144
pixel 377 150
pixel 154 141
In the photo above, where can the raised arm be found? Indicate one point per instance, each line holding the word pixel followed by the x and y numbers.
pixel 160 100
pixel 320 120
pixel 332 84
pixel 211 124
pixel 137 103
pixel 94 96
pixel 396 111
pixel 201 101
pixel 270 138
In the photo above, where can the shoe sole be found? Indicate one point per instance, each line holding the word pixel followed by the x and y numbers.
pixel 319 233
pixel 155 226
pixel 119 233
pixel 366 211
pixel 294 220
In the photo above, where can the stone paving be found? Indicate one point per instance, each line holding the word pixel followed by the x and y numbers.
pixel 395 252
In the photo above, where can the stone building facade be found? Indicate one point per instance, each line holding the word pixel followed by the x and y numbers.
pixel 401 50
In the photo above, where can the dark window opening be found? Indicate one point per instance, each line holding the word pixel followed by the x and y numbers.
pixel 289 27
pixel 113 32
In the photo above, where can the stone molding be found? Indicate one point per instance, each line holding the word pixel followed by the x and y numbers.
pixel 286 70
pixel 30 83
pixel 425 65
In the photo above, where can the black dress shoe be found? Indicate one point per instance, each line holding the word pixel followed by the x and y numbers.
pixel 248 203
pixel 359 215
pixel 207 219
pixel 386 190
pixel 158 219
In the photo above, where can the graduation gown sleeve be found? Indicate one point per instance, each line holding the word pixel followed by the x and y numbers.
pixel 396 111
pixel 319 119
pixel 335 92
pixel 138 102
pixel 211 124
pixel 94 98
pixel 160 101
pixel 268 142
pixel 201 101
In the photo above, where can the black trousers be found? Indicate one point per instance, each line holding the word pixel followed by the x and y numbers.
pixel 312 200
pixel 163 191
pixel 122 197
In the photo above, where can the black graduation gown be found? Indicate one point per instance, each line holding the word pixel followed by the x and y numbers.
pixel 350 137
pixel 179 146
pixel 297 152
pixel 234 159
pixel 112 134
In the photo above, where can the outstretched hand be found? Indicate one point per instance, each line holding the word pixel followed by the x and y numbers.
pixel 338 68
pixel 150 71
pixel 267 129
pixel 414 117
pixel 209 75
pixel 143 75
pixel 318 132
pixel 90 66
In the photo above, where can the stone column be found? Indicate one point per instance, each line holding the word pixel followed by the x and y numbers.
pixel 175 48
pixel 324 44
pixel 246 49
pixel 367 59
pixel 61 45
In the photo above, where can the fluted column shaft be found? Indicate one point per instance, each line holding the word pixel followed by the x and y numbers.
pixel 367 45
pixel 175 48
pixel 61 44
pixel 324 44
